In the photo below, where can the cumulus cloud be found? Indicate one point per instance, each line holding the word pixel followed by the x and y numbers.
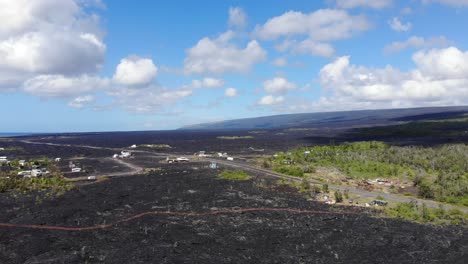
pixel 416 42
pixel 320 25
pixel 135 71
pixel 219 56
pixel 81 101
pixel 63 86
pixel 396 24
pixel 439 78
pixel 207 83
pixel 48 37
pixel 278 85
pixel 149 99
pixel 280 62
pixel 270 100
pixel 376 4
pixel 314 48
pixel 231 92
pixel 237 17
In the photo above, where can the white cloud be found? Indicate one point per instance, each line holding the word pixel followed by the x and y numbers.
pixel 417 42
pixel 278 85
pixel 81 101
pixel 397 25
pixel 237 17
pixel 63 86
pixel 207 83
pixel 230 92
pixel 455 3
pixel 219 56
pixel 52 37
pixel 149 99
pixel 135 71
pixel 280 62
pixel 377 4
pixel 314 48
pixel 270 100
pixel 439 78
pixel 320 25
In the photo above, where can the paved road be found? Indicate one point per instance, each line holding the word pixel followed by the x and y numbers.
pixel 134 170
pixel 249 167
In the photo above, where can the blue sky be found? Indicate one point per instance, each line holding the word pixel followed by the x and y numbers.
pixel 90 65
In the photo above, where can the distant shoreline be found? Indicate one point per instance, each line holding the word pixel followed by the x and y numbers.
pixel 14 134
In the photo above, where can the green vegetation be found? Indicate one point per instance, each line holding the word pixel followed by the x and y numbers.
pixel 55 184
pixel 234 137
pixel 14 149
pixel 290 170
pixel 423 214
pixel 257 132
pixel 300 129
pixel 234 175
pixel 425 128
pixel 157 146
pixel 439 173
pixel 338 196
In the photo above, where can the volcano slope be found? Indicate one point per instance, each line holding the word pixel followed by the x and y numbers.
pixel 321 235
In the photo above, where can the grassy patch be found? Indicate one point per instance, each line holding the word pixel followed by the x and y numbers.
pixel 234 175
pixel 423 214
pixel 157 146
pixel 300 129
pixel 257 132
pixel 234 137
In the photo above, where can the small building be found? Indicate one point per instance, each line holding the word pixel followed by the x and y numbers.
pixel 22 163
pixel 115 156
pixel 213 165
pixel 3 159
pixel 58 159
pixel 36 173
pixel 306 152
pixel 201 154
pixel 133 146
pixel 76 170
pixel 230 158
pixel 91 178
pixel 1 149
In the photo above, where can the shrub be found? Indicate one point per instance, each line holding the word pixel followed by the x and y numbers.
pixel 291 171
pixel 234 175
pixel 338 196
pixel 325 188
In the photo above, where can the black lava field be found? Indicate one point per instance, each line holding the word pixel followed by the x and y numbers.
pixel 322 235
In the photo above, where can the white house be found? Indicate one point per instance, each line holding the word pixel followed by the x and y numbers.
pixel 230 158
pixel 58 159
pixel 76 170
pixel 133 146
pixel 115 156
pixel 3 159
pixel 2 149
pixel 22 162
